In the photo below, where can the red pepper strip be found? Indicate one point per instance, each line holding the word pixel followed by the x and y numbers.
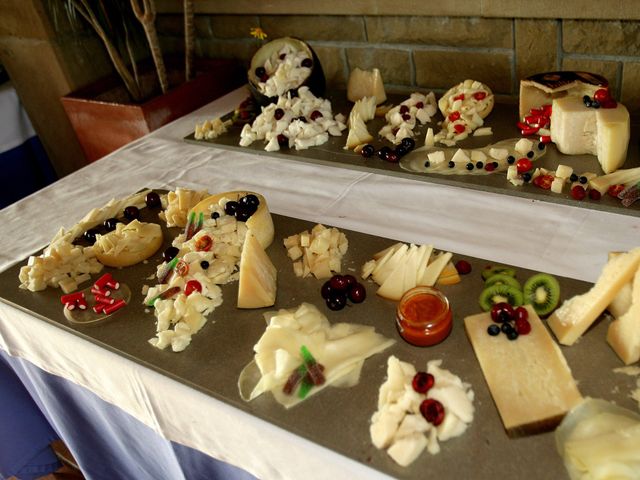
pixel 189 228
pixel 168 293
pixel 294 379
pixel 164 273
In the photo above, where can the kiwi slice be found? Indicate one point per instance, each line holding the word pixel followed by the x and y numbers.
pixel 503 279
pixel 542 291
pixel 497 269
pixel 500 292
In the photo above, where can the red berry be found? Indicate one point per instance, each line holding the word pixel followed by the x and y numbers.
pixel 419 105
pixel 524 165
pixel 192 286
pixel 406 117
pixel 480 95
pixel 422 382
pixel 543 181
pixel 594 194
pixel 315 115
pixel 338 283
pixel 609 103
pixel 601 95
pixel 463 267
pixel 459 128
pixel 489 167
pixel 521 313
pixel 578 192
pixel 404 109
pixel 392 157
pixel 357 293
pixel 453 116
pixel 433 411
pixel 523 327
pixel 502 312
pixel 459 97
pixel 615 190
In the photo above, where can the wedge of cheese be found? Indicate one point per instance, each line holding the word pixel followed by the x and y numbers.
pixel 536 389
pixel 577 314
pixel 257 284
pixel 366 83
pixel 604 132
pixel 624 333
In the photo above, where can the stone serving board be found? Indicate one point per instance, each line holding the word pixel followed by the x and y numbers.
pixel 503 122
pixel 338 418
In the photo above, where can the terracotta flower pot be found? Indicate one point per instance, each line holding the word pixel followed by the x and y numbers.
pixel 105 119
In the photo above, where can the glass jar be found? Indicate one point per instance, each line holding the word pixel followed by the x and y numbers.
pixel 424 317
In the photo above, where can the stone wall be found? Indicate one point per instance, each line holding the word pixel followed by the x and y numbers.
pixel 435 52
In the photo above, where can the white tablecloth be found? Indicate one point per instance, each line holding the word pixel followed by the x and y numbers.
pixel 563 240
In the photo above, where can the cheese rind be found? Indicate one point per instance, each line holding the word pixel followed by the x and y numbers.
pixel 577 314
pixel 536 389
pixel 257 283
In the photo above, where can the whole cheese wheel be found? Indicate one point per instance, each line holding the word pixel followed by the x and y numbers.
pixel 128 244
pixel 260 223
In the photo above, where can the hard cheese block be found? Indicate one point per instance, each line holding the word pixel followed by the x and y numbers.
pixel 624 332
pixel 529 379
pixel 257 283
pixel 604 132
pixel 578 313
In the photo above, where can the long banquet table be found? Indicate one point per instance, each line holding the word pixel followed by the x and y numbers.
pixel 122 420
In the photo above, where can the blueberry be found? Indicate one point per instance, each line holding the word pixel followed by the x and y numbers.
pixel 250 200
pixel 493 330
pixel 336 301
pixel 383 152
pixel 542 146
pixel 451 164
pixel 110 224
pixel 506 327
pixel 479 165
pixel 90 235
pixel 583 180
pixel 215 215
pixel 408 143
pixel 573 177
pixel 526 177
pixel 368 150
pixel 495 164
pixel 401 151
pixel 595 104
pixel 511 159
pixel 469 166
pixel 427 164
pixel 170 253
pixel 260 72
pixel 131 212
pixel 278 114
pixel 587 101
pixel 204 264
pixel 530 154
pixel 152 200
pixel 512 334
pixel 230 207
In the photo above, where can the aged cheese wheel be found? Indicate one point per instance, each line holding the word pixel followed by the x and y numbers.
pixel 260 223
pixel 128 244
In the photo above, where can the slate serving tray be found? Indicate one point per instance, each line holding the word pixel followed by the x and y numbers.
pixel 503 122
pixel 338 418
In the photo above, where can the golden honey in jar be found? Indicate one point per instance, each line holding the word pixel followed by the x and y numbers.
pixel 423 316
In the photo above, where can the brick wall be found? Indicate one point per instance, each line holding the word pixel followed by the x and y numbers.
pixel 434 52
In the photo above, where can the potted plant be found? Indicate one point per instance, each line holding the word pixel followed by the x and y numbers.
pixel 145 95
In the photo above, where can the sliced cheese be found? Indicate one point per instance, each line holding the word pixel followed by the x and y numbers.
pixel 627 176
pixel 577 314
pixel 624 333
pixel 536 389
pixel 604 132
pixel 257 284
pixel 434 269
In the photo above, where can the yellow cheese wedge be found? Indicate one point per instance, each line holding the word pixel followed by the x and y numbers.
pixel 260 222
pixel 624 333
pixel 365 83
pixel 128 244
pixel 577 314
pixel 257 284
pixel 604 132
pixel 534 389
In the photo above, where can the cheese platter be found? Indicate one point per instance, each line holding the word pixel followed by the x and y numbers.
pixel 232 336
pixel 477 158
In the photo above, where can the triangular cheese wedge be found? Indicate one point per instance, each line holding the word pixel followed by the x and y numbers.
pixel 384 269
pixel 257 284
pixel 624 333
pixel 434 269
pixel 411 267
pixel 577 314
pixel 423 261
pixel 393 286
